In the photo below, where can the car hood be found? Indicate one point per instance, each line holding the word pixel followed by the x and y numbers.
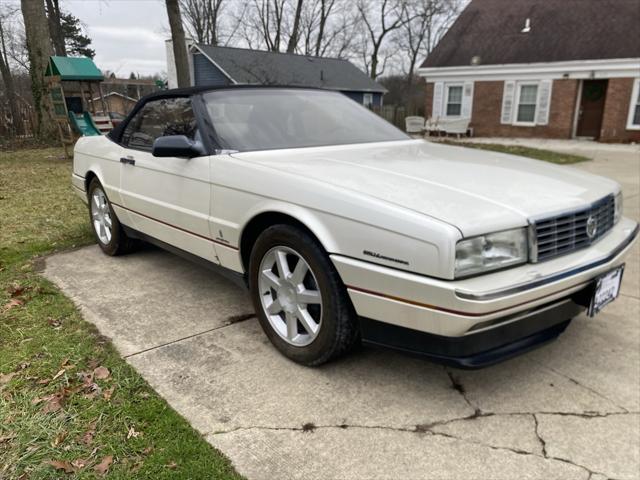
pixel 475 190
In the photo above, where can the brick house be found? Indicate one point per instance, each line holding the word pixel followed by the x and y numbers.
pixel 540 68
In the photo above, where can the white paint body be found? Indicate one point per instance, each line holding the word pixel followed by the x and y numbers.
pixel 408 200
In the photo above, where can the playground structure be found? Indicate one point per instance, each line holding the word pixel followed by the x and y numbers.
pixel 73 83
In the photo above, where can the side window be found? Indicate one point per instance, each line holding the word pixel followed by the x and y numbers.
pixel 159 118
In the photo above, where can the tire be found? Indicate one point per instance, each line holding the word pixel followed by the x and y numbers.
pixel 333 317
pixel 113 241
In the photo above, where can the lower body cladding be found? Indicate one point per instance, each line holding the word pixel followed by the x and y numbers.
pixel 476 322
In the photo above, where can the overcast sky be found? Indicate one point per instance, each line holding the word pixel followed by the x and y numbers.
pixel 128 35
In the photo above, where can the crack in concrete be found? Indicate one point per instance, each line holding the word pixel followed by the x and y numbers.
pixel 427 429
pixel 543 443
pixel 459 387
pixel 228 322
pixel 590 389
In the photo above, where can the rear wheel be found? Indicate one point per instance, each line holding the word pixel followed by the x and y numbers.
pixel 107 229
pixel 302 305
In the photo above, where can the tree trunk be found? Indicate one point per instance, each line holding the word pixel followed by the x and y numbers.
pixel 373 73
pixel 293 39
pixel 7 79
pixel 39 48
pixel 55 28
pixel 180 53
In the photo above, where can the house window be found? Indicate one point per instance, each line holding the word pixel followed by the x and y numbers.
pixel 367 100
pixel 527 101
pixel 454 100
pixel 634 107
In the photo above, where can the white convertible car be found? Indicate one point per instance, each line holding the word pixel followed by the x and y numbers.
pixel 346 230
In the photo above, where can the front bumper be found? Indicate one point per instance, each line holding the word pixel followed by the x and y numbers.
pixel 457 311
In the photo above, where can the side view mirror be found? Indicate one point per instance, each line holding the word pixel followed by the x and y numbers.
pixel 177 146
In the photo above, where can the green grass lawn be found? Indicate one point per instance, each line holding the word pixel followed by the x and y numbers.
pixel 69 405
pixel 537 153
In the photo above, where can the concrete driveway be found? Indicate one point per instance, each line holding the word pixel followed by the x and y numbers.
pixel 568 410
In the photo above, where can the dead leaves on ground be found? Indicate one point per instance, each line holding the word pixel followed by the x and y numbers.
pixel 6 377
pixel 87 438
pixel 62 465
pixel 14 302
pixel 103 467
pixel 52 403
pixel 108 393
pixel 132 433
pixel 15 290
pixel 78 464
pixel 55 401
pixel 101 373
pixel 59 438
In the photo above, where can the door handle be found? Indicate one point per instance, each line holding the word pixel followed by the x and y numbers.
pixel 128 160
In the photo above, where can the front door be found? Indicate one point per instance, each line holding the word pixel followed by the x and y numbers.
pixel 167 198
pixel 591 107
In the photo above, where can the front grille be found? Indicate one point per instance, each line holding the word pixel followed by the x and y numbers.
pixel 567 233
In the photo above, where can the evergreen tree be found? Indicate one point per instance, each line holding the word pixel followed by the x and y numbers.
pixel 76 42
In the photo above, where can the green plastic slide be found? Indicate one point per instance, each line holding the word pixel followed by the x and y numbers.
pixel 83 124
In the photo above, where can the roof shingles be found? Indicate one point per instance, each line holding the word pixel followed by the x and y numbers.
pixel 561 30
pixel 257 67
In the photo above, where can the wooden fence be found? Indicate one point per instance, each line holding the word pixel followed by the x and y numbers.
pixel 25 127
pixel 392 113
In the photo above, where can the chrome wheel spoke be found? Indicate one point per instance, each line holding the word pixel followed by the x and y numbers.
pixel 270 279
pixel 283 266
pixel 307 321
pixel 292 326
pixel 297 277
pixel 107 221
pixel 309 296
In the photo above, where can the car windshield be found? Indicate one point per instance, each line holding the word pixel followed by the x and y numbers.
pixel 264 119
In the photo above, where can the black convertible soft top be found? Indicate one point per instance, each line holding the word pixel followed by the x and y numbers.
pixel 116 133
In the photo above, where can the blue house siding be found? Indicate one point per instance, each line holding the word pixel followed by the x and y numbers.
pixel 359 97
pixel 206 73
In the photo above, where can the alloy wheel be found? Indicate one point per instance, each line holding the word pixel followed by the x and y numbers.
pixel 101 216
pixel 290 296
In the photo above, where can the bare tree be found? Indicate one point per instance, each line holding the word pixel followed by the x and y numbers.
pixel 326 28
pixel 179 43
pixel 39 47
pixel 7 79
pixel 55 27
pixel 295 32
pixel 270 24
pixel 203 19
pixel 380 19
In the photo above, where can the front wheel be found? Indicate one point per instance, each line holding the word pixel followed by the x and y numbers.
pixel 302 305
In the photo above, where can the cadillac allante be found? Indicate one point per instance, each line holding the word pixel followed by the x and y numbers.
pixel 346 230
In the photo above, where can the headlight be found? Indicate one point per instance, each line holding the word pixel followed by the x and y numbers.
pixel 490 252
pixel 617 211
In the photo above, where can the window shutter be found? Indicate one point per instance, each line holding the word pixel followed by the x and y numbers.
pixel 508 96
pixel 544 102
pixel 467 99
pixel 438 90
